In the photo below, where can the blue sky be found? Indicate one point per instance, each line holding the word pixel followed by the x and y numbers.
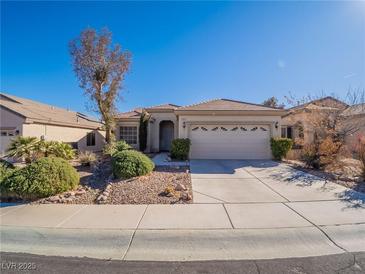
pixel 186 52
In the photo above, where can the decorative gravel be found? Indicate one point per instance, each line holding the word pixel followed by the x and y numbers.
pixel 150 189
pixel 347 176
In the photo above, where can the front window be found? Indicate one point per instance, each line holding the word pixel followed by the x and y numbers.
pixel 287 132
pixel 90 139
pixel 129 135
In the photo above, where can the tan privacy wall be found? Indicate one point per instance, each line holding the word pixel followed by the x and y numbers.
pixel 65 134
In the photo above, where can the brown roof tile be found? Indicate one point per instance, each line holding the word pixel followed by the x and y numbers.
pixel 47 114
pixel 227 104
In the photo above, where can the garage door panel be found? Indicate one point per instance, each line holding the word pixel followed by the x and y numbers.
pixel 230 142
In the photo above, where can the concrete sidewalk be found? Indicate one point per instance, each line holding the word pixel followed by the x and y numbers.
pixel 185 232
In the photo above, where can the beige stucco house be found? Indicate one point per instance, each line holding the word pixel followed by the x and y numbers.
pixel 24 117
pixel 298 123
pixel 218 129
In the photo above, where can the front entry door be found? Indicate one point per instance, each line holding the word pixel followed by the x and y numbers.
pixel 166 135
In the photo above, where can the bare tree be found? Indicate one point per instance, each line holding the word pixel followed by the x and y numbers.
pixel 272 102
pixel 100 68
pixel 331 121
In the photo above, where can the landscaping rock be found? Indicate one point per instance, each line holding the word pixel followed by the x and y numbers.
pixel 186 196
pixel 180 187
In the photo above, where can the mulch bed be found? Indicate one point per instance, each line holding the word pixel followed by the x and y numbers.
pixel 149 189
pixel 355 185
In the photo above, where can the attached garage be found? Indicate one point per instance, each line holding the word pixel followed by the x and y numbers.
pixel 229 129
pixel 230 141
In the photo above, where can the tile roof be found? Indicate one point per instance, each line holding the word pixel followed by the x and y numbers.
pixel 227 104
pixel 47 114
pixel 163 107
pixel 136 113
pixel 358 109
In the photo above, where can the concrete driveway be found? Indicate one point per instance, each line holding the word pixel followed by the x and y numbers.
pixel 245 181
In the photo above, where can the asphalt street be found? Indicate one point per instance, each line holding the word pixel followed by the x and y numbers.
pixel 340 263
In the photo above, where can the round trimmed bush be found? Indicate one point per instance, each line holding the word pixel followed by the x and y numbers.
pixel 42 178
pixel 131 163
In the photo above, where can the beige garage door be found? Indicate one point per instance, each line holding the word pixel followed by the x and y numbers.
pixel 230 141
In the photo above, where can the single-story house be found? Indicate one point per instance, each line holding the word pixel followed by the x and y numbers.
pixel 355 115
pixel 218 129
pixel 24 117
pixel 298 123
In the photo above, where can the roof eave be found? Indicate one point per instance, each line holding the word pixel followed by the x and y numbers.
pixel 232 112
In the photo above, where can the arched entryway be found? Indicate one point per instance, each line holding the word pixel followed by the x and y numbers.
pixel 166 135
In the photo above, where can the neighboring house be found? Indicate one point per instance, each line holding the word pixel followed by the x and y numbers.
pixel 24 117
pixel 355 115
pixel 218 129
pixel 297 125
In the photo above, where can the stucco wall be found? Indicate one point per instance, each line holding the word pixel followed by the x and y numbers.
pixel 9 119
pixel 65 134
pixel 352 140
pixel 153 137
pixel 269 120
pixel 308 131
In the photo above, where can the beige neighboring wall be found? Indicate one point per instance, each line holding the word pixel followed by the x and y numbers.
pixel 9 120
pixel 65 134
pixel 293 118
pixel 153 137
pixel 352 140
pixel 273 121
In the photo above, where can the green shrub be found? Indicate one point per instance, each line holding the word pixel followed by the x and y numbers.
pixel 110 149
pixel 87 158
pixel 42 178
pixel 280 147
pixel 6 170
pixel 130 163
pixel 55 149
pixel 180 149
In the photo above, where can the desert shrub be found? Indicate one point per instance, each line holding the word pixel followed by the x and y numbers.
pixel 131 163
pixel 110 149
pixel 280 147
pixel 5 171
pixel 55 149
pixel 328 150
pixel 361 154
pixel 42 178
pixel 122 145
pixel 87 158
pixel 23 147
pixel 180 149
pixel 310 156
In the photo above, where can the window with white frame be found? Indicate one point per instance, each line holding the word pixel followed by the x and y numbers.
pixel 128 134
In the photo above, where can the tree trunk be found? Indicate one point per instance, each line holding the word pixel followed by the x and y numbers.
pixel 108 134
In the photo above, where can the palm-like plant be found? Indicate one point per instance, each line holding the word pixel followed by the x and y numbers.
pixel 23 147
pixel 63 150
